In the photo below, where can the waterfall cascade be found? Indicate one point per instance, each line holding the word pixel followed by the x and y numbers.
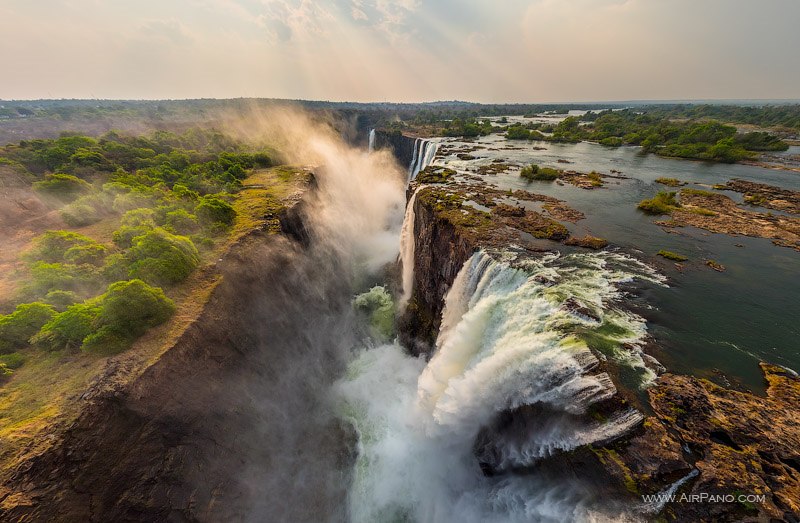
pixel 423 155
pixel 508 338
pixel 371 140
pixel 407 248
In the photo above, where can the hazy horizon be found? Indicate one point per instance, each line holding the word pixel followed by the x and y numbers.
pixel 404 51
pixel 717 101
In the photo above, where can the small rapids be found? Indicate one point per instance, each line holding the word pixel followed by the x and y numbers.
pixel 511 335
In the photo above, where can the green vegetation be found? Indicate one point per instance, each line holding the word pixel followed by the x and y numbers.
pixel 109 322
pixel 655 132
pixel 662 203
pixel 469 128
pixel 166 194
pixel 697 192
pixel 26 320
pixel 64 187
pixel 670 182
pixel 521 132
pixel 595 179
pixel 672 256
pixel 434 174
pixel 612 141
pixel 534 172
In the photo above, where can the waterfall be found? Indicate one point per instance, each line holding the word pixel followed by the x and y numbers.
pixel 371 140
pixel 424 153
pixel 509 337
pixel 407 245
pixel 413 159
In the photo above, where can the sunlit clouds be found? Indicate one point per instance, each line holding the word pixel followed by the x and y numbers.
pixel 406 50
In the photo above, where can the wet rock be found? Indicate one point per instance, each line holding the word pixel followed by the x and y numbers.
pixel 573 306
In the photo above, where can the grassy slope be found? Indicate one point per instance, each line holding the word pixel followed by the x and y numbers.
pixel 45 392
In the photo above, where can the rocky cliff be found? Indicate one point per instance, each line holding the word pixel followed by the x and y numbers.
pixel 402 146
pixel 208 432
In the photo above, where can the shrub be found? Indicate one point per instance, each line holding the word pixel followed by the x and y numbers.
pixel 662 203
pixel 60 300
pixel 518 132
pixel 68 329
pixel 670 182
pixel 52 245
pixel 93 254
pixel 133 200
pixel 116 268
pixel 611 141
pixel 672 256
pixel 64 187
pixel 162 258
pixel 46 277
pixel 181 221
pixel 213 210
pixel 80 214
pixel 13 360
pixel 123 237
pixel 136 217
pixel 18 327
pixel 127 310
pixel 534 172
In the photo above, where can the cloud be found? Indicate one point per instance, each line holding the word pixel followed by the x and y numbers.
pixel 172 30
pixel 405 50
pixel 358 14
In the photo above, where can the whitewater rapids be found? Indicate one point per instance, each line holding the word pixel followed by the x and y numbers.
pixel 506 340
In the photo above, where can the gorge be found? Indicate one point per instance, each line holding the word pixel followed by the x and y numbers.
pixel 516 384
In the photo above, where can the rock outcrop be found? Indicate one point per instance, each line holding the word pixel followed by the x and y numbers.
pixel 739 444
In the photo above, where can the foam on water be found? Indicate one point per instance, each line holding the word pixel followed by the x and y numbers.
pixel 507 340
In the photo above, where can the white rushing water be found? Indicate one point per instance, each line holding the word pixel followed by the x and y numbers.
pixel 407 247
pixel 371 140
pixel 413 163
pixel 423 155
pixel 508 338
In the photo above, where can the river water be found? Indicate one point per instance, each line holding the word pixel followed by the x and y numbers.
pixel 704 322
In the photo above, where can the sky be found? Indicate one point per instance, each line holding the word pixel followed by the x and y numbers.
pixel 405 50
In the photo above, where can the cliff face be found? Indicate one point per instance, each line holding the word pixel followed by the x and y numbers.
pixel 402 146
pixel 441 250
pixel 215 429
